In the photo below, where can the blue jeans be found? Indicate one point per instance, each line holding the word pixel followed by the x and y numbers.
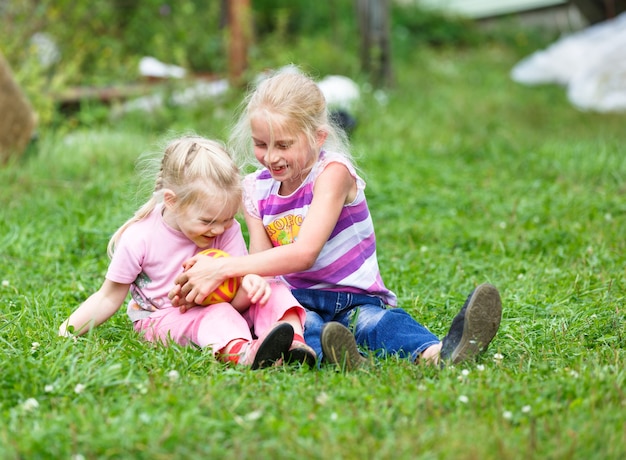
pixel 376 327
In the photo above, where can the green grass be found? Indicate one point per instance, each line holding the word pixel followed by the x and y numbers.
pixel 471 178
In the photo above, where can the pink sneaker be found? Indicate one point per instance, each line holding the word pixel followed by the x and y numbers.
pixel 300 352
pixel 264 352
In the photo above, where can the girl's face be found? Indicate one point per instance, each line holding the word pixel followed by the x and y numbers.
pixel 288 157
pixel 201 223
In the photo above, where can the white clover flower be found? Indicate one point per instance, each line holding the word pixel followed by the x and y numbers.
pixel 498 357
pixel 5 283
pixel 573 373
pixel 507 414
pixel 463 399
pixel 79 388
pixel 30 405
pixel 173 375
pixel 34 346
pixel 480 367
pixel 322 398
pixel 48 388
pixel 465 372
pixel 254 415
pixel 381 97
pixel 250 417
pixel 142 388
pixel 526 409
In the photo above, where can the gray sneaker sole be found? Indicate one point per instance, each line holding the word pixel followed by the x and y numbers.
pixel 340 347
pixel 482 321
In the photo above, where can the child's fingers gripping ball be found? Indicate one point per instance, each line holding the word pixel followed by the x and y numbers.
pixel 227 290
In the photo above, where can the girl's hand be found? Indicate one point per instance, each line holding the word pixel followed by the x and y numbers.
pixel 187 264
pixel 257 288
pixel 202 276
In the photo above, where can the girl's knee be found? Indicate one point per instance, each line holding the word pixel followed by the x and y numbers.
pixel 296 313
pixel 367 317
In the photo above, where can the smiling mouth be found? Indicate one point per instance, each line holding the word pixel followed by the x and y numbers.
pixel 278 169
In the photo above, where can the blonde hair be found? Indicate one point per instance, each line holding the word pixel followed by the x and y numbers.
pixel 290 97
pixel 197 170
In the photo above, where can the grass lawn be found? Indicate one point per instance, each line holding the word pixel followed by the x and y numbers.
pixel 471 178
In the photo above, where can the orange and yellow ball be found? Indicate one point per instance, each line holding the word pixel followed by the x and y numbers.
pixel 227 290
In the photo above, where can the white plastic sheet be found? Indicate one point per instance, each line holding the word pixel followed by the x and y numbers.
pixel 590 63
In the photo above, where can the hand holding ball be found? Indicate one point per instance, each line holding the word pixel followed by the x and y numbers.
pixel 227 290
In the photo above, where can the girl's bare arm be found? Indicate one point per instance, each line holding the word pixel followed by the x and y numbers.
pixel 98 308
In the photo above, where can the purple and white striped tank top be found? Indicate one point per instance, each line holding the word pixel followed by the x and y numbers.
pixel 348 260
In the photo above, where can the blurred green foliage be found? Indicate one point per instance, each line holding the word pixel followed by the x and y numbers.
pixel 100 43
pixel 292 18
pixel 105 39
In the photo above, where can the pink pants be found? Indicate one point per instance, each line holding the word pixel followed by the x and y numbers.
pixel 216 325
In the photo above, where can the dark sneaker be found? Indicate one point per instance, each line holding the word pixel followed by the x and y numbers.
pixel 300 352
pixel 474 327
pixel 266 351
pixel 340 348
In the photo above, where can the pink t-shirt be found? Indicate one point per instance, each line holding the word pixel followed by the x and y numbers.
pixel 149 256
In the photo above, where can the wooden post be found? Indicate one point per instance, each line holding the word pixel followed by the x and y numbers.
pixel 17 119
pixel 240 31
pixel 373 19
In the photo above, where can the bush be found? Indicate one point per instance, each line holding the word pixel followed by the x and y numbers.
pixel 432 28
pixel 100 43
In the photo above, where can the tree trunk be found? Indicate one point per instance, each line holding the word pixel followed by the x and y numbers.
pixel 17 119
pixel 373 19
pixel 239 33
